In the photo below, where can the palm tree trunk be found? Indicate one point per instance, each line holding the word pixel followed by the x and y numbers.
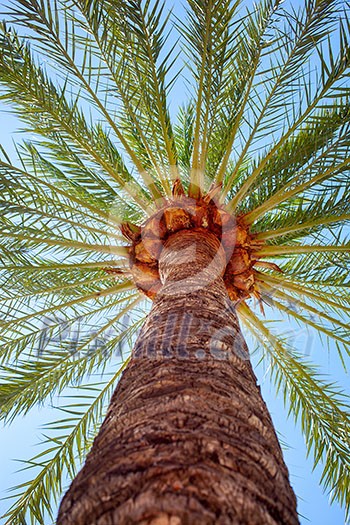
pixel 187 438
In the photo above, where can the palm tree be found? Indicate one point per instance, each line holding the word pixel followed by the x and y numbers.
pixel 235 206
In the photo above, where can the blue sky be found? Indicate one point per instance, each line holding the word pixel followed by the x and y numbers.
pixel 19 441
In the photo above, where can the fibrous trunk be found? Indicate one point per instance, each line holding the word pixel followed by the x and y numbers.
pixel 187 439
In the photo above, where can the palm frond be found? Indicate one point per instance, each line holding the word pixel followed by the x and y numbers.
pixel 208 34
pixel 315 154
pixel 29 381
pixel 22 318
pixel 282 250
pixel 129 39
pixel 71 439
pixel 254 37
pixel 38 101
pixel 316 292
pixel 51 329
pixel 54 31
pixel 327 270
pixel 43 289
pixel 320 406
pixel 309 33
pixel 305 313
pixel 183 135
pixel 44 183
pixel 107 290
pixel 296 223
pixel 144 26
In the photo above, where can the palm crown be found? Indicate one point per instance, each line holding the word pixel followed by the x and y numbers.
pixel 264 127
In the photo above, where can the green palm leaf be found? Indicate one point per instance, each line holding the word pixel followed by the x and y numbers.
pixel 321 406
pixel 64 452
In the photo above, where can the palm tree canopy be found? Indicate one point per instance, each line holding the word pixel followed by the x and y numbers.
pixel 263 125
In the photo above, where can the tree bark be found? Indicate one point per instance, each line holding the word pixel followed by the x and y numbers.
pixel 187 439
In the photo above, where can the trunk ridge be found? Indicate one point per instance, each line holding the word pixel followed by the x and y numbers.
pixel 187 439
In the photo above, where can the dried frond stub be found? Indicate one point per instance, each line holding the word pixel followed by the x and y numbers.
pixel 202 215
pixel 268 265
pixel 214 190
pixel 178 189
pixel 131 231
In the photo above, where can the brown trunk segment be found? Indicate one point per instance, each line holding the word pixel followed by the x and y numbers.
pixel 187 439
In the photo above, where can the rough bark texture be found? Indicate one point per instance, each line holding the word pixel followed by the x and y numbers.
pixel 187 439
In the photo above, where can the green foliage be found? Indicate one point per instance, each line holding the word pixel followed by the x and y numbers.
pixel 320 405
pixel 70 442
pixel 266 115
